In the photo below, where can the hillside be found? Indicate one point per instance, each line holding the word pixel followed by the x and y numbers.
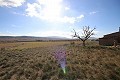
pixel 29 38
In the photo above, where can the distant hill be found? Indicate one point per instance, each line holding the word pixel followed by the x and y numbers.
pixel 90 37
pixel 33 38
pixel 30 38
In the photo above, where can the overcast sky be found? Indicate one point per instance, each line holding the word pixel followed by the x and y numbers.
pixel 58 17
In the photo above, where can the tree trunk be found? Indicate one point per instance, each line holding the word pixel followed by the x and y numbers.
pixel 83 43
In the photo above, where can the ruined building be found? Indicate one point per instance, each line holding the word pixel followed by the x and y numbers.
pixel 110 39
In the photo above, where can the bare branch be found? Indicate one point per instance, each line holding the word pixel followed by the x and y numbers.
pixel 87 33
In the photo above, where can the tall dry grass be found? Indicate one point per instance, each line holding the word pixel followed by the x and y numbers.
pixel 92 62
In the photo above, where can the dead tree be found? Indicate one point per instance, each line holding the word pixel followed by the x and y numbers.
pixel 87 33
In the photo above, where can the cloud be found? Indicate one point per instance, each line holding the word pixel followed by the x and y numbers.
pixel 50 10
pixel 8 34
pixel 67 8
pixel 67 19
pixel 16 13
pixel 81 16
pixel 45 9
pixel 94 12
pixel 11 3
pixel 96 32
pixel 33 10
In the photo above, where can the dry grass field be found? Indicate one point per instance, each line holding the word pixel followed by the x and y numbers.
pixel 35 61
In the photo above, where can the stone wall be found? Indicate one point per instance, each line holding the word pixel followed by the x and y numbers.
pixel 110 39
pixel 106 42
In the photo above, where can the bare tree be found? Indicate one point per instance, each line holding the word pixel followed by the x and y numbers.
pixel 87 33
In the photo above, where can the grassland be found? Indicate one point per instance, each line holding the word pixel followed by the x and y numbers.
pixel 35 61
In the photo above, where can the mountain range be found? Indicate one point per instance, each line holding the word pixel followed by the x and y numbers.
pixel 33 38
pixel 30 38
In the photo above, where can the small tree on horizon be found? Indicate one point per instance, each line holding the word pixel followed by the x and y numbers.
pixel 87 33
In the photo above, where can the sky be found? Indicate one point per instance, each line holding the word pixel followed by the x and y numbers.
pixel 45 18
